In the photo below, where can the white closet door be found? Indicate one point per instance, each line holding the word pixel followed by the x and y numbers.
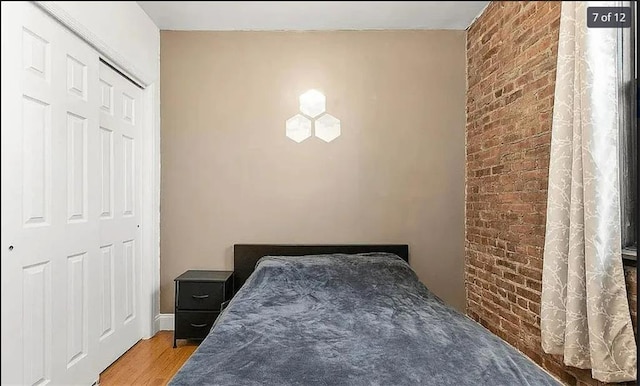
pixel 119 203
pixel 55 256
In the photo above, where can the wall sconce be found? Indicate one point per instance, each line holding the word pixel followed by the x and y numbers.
pixel 312 113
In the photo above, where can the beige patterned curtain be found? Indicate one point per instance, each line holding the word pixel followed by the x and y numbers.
pixel 584 314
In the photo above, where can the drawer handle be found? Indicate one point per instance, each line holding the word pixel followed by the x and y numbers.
pixel 199 296
pixel 199 325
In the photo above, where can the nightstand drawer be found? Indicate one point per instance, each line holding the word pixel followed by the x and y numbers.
pixel 194 324
pixel 200 296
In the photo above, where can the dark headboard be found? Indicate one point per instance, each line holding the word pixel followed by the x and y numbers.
pixel 245 256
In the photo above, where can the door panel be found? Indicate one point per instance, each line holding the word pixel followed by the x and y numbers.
pixel 119 173
pixel 36 163
pixel 37 323
pixel 107 293
pixel 106 173
pixel 76 168
pixel 77 313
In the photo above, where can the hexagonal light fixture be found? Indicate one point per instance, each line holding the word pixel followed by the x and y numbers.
pixel 298 128
pixel 312 103
pixel 327 127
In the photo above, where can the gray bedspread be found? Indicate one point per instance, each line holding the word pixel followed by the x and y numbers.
pixel 349 320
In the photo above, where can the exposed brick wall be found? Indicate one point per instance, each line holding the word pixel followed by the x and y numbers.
pixel 511 62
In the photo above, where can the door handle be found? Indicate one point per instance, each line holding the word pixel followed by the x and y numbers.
pixel 198 325
pixel 199 296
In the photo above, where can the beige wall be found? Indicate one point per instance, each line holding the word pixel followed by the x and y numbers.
pixel 395 175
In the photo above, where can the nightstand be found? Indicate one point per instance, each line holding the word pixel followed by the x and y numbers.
pixel 200 296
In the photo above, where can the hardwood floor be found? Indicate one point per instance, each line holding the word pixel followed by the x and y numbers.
pixel 149 362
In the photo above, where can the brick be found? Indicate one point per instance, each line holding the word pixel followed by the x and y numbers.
pixel 513 278
pixel 533 285
pixel 506 285
pixel 506 264
pixel 530 273
pixel 534 307
pixel 528 294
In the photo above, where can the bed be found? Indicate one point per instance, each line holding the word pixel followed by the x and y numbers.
pixel 346 315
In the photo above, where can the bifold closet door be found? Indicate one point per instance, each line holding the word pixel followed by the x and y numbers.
pixel 119 175
pixel 69 284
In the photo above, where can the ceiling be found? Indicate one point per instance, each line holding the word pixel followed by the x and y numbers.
pixel 311 15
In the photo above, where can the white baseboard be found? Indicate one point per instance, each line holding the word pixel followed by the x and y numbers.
pixel 164 322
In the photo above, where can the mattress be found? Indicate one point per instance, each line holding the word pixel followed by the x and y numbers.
pixel 341 319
